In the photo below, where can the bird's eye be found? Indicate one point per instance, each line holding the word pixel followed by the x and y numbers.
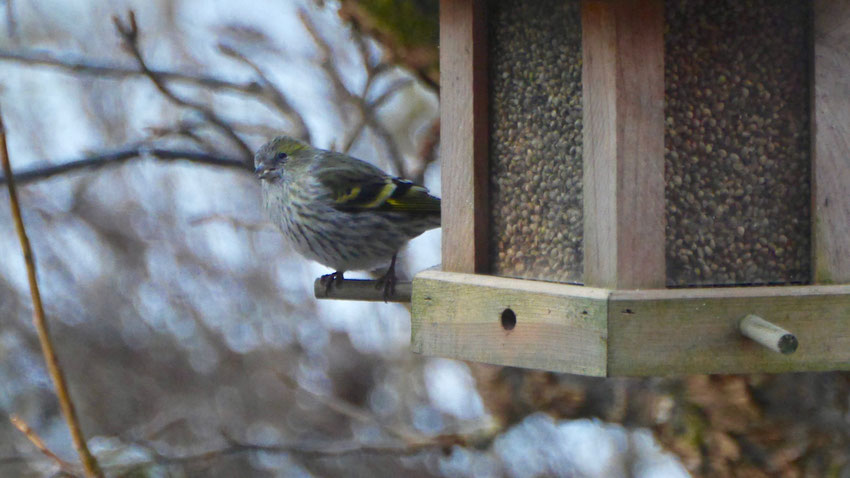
pixel 280 156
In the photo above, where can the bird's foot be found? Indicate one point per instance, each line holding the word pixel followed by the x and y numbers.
pixel 388 280
pixel 328 280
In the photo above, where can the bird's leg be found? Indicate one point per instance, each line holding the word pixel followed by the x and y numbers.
pixel 328 280
pixel 388 280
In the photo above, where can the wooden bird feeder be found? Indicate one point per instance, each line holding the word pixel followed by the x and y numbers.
pixel 643 187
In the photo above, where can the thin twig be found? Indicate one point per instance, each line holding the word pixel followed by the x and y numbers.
pixel 366 109
pixel 367 114
pixel 326 62
pixel 278 99
pixel 90 66
pixel 183 129
pixel 373 70
pixel 119 157
pixel 428 151
pixel 90 464
pixel 352 411
pixel 36 440
pixel 391 90
pixel 130 34
pixel 393 153
pixel 363 48
pixel 263 130
pixel 234 222
pixel 316 450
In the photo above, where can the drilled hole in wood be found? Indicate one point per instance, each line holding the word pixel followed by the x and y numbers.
pixel 508 319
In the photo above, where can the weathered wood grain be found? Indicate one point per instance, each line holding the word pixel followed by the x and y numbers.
pixel 689 331
pixel 831 142
pixel 623 94
pixel 558 327
pixel 463 134
pixel 658 332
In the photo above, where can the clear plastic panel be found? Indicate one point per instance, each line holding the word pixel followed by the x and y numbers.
pixel 737 142
pixel 535 139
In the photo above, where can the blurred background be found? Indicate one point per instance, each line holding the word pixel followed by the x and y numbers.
pixel 187 328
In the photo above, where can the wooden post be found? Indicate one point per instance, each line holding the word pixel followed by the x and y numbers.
pixel 831 143
pixel 623 91
pixel 464 137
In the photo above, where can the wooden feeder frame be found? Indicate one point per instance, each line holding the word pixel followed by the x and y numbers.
pixel 623 321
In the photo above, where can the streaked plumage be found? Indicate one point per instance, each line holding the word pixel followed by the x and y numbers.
pixel 340 211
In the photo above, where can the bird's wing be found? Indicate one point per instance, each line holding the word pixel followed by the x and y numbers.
pixel 356 186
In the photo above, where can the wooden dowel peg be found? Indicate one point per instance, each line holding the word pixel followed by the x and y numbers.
pixel 771 336
pixel 362 289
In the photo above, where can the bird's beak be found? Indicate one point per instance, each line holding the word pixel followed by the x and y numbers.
pixel 262 171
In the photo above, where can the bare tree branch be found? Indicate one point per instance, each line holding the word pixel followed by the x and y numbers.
pixel 119 157
pixel 352 411
pixel 90 464
pixel 272 92
pixel 305 450
pixel 367 114
pixel 130 34
pixel 234 222
pixel 315 449
pixel 90 66
pixel 327 59
pixel 264 89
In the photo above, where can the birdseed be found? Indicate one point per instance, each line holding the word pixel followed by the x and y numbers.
pixel 535 139
pixel 737 142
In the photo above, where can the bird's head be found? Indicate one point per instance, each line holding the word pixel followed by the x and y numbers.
pixel 271 158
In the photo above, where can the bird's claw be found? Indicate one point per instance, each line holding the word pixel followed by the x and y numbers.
pixel 387 281
pixel 328 281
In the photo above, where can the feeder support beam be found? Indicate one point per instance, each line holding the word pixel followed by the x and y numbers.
pixel 623 105
pixel 463 112
pixel 831 143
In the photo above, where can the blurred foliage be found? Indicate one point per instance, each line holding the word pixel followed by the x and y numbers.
pixel 790 425
pixel 409 29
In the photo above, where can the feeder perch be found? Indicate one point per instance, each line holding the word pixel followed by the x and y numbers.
pixel 771 336
pixel 363 290
pixel 643 187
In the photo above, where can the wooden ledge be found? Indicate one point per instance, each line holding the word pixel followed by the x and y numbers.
pixel 602 332
pixel 556 326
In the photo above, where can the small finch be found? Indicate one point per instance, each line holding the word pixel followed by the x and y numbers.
pixel 340 211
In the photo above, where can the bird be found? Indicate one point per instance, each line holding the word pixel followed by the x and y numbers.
pixel 340 211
